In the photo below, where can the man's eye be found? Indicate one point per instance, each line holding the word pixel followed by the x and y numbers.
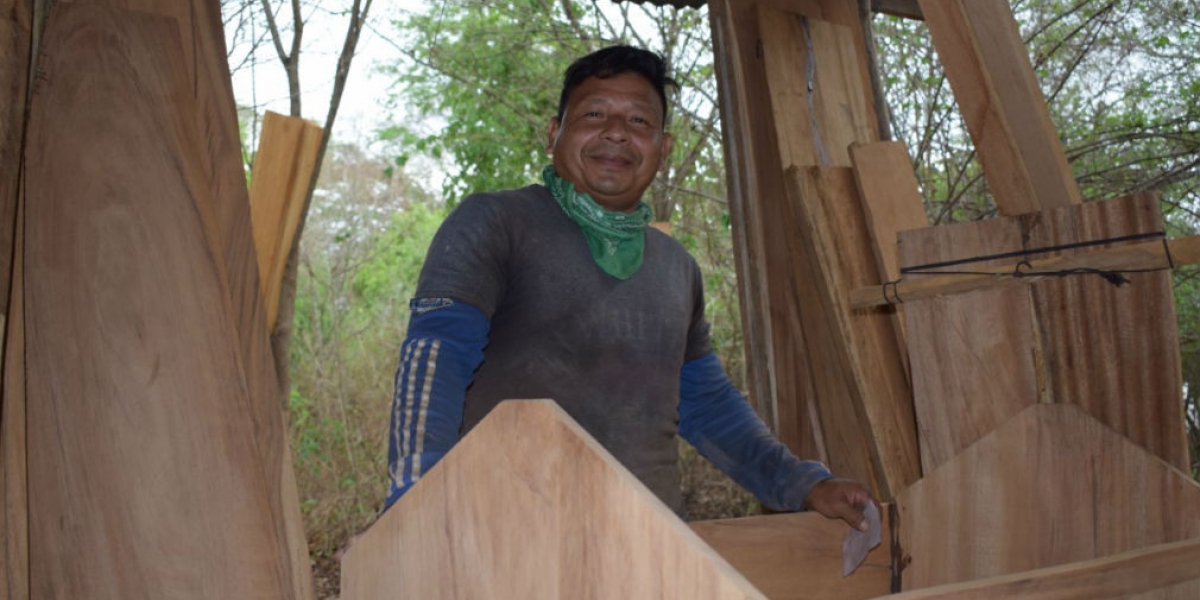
pixel 592 114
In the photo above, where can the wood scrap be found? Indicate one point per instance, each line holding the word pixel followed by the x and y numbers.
pixel 528 505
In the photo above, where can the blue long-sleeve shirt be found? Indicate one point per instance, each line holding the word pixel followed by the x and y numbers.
pixel 445 345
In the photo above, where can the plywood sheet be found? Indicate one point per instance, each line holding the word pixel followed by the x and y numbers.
pixel 528 505
pixel 146 477
pixel 990 73
pixel 283 168
pixel 1049 487
pixel 777 362
pixel 979 358
pixel 799 556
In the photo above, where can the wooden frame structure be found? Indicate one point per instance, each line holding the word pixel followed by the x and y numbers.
pixel 973 416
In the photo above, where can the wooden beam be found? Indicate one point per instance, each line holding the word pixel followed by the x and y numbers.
pixel 990 73
pixel 908 9
pixel 1170 569
pixel 529 505
pixel 1051 486
pixel 16 39
pixel 283 167
pixel 798 556
pixel 1132 257
pixel 14 476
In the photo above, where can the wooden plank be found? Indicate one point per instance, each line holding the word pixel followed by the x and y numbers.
pixel 1132 257
pixel 1163 572
pixel 1050 487
pixel 283 167
pixel 908 9
pixel 528 505
pixel 978 358
pixel 16 28
pixel 817 97
pixel 799 556
pixel 863 391
pixel 781 382
pixel 14 480
pixel 227 221
pixel 1113 350
pixel 990 73
pixel 891 198
pixel 146 478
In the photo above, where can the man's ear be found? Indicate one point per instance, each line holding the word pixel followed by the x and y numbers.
pixel 552 134
pixel 666 152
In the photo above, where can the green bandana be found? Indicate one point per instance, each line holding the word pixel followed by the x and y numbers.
pixel 616 239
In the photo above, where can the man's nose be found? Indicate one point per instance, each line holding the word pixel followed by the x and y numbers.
pixel 615 129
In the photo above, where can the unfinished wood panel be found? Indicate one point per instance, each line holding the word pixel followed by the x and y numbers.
pixel 817 96
pixel 972 355
pixel 799 556
pixel 1051 486
pixel 283 168
pixel 226 216
pixel 1161 572
pixel 989 71
pixel 980 357
pixel 863 392
pixel 16 36
pixel 775 349
pixel 145 477
pixel 1113 350
pixel 891 198
pixel 528 505
pixel 14 510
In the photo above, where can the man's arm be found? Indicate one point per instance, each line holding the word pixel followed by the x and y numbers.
pixel 716 419
pixel 443 348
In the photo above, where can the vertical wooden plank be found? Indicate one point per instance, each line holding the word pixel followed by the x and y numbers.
pixel 863 392
pixel 992 78
pixel 146 478
pixel 16 29
pixel 283 168
pixel 1049 487
pixel 756 198
pixel 1114 351
pixel 972 355
pixel 543 513
pixel 14 512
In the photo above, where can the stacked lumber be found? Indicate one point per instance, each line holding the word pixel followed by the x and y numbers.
pixel 144 453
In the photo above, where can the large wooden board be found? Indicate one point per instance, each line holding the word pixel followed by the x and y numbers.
pixel 283 168
pixel 528 505
pixel 1049 487
pixel 226 216
pixel 145 479
pixel 799 556
pixel 780 381
pixel 981 357
pixel 993 81
pixel 863 391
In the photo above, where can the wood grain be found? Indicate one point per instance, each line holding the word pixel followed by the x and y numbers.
pixel 283 168
pixel 776 355
pixel 1049 487
pixel 145 476
pixel 227 223
pixel 1161 572
pixel 992 78
pixel 979 358
pixel 14 479
pixel 16 29
pixel 528 505
pixel 863 391
pixel 798 556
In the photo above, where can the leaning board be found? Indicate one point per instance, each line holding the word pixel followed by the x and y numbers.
pixel 528 505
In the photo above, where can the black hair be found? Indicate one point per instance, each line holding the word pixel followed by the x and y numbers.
pixel 613 61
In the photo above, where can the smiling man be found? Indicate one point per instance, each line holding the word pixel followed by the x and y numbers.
pixel 561 291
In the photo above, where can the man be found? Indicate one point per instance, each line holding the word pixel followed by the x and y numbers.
pixel 561 291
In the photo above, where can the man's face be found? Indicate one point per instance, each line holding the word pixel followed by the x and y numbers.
pixel 610 142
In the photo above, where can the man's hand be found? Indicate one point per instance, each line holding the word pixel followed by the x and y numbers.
pixel 840 499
